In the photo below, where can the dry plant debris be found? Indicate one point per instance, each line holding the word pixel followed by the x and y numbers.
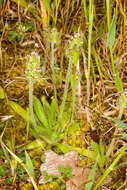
pixel 53 160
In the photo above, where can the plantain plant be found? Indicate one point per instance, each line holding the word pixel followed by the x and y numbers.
pixel 47 121
pixel 42 118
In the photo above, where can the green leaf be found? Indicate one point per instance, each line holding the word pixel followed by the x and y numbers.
pixel 46 134
pixel 46 178
pixel 44 173
pixel 53 111
pixel 68 175
pixel 101 148
pixel 19 37
pixel 47 108
pixel 61 169
pixel 2 95
pixel 47 5
pixel 65 118
pixel 84 152
pixel 110 168
pixel 2 154
pixel 62 187
pixel 73 128
pixel 2 2
pixel 12 36
pixel 91 177
pixel 8 180
pixel 40 112
pixel 68 169
pixel 96 148
pixel 112 30
pixel 75 57
pixel 64 148
pixel 118 123
pixel 18 109
pixel 29 164
pixel 32 145
pixel 1 125
pixel 2 171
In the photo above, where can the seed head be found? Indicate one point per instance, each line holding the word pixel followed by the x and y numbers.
pixel 32 71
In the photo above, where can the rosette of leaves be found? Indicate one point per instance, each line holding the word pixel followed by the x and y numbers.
pixel 46 117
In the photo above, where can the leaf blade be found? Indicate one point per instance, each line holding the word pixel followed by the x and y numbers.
pixel 29 164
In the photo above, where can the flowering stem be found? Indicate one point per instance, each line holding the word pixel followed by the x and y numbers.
pixel 31 112
pixel 53 72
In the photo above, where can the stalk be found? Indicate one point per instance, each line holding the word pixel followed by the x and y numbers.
pixel 89 57
pixel 31 111
pixel 66 89
pixel 53 71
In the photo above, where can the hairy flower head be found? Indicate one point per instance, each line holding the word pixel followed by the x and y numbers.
pixel 32 70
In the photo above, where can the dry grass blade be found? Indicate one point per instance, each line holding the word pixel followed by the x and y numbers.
pixel 43 15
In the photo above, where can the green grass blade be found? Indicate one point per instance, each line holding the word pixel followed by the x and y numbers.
pixel 29 164
pixel 118 122
pixel 96 149
pixel 112 31
pixel 47 5
pixel 111 167
pixel 85 10
pixel 91 177
pixel 90 36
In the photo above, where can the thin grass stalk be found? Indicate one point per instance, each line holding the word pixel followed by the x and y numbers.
pixel 73 96
pixel 108 13
pixel 89 57
pixel 72 7
pixel 78 84
pixel 93 71
pixel 119 3
pixel 65 90
pixel 61 67
pixel 9 160
pixel 85 11
pixel 67 14
pixel 97 62
pixel 57 2
pixel 90 36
